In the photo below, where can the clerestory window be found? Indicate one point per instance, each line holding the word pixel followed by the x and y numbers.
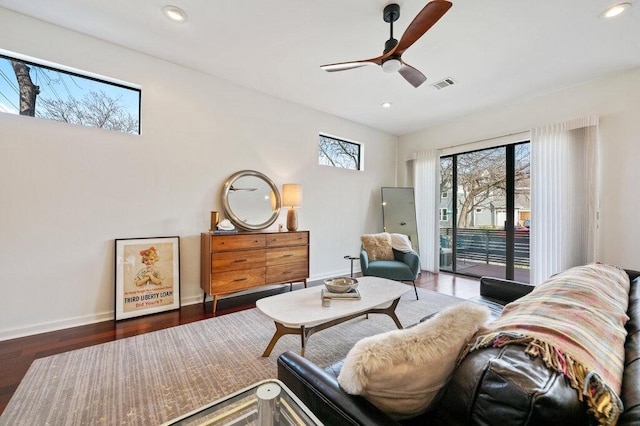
pixel 339 153
pixel 35 88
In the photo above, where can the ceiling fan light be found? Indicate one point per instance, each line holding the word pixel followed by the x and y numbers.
pixel 391 65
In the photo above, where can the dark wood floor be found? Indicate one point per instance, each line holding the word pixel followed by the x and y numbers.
pixel 16 355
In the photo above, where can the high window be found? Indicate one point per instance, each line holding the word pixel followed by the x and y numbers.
pixel 54 92
pixel 487 232
pixel 339 153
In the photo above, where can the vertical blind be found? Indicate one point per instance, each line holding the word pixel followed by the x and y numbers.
pixel 427 192
pixel 564 197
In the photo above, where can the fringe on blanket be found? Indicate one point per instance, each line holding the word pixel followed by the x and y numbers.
pixel 603 404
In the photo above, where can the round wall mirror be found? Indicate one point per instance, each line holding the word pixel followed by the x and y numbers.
pixel 251 200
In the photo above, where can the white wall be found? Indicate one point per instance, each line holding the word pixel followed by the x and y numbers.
pixel 67 191
pixel 617 101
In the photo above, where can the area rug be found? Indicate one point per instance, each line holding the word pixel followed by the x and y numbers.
pixel 152 378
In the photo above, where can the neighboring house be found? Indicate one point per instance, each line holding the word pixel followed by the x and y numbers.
pixel 491 213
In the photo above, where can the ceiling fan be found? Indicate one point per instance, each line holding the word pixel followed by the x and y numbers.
pixel 391 58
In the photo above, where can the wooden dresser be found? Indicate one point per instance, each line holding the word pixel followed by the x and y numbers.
pixel 235 262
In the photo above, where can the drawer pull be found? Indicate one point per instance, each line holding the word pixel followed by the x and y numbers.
pixel 237 280
pixel 287 255
pixel 239 260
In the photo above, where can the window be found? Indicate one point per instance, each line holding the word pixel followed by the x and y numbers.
pixel 487 211
pixel 443 215
pixel 339 153
pixel 54 92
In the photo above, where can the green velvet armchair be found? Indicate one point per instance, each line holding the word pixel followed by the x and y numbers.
pixel 404 267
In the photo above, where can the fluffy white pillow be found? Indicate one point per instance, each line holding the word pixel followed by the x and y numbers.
pixel 401 371
pixel 377 246
pixel 401 243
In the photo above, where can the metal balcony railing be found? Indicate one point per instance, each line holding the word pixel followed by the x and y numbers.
pixel 487 245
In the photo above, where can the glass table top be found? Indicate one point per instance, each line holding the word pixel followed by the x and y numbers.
pixel 266 403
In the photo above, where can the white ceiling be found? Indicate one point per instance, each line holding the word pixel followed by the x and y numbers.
pixel 498 51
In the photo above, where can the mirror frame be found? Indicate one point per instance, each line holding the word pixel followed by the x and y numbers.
pixel 233 217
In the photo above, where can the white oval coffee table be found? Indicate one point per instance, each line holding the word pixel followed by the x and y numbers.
pixel 301 311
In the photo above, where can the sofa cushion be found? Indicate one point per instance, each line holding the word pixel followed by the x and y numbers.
pixel 377 246
pixel 402 371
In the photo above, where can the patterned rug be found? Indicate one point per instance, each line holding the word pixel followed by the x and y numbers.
pixel 155 377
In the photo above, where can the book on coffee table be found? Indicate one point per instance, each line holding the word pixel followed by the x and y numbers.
pixel 351 294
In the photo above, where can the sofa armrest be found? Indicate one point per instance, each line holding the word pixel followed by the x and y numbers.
pixel 364 261
pixel 503 291
pixel 411 258
pixel 322 394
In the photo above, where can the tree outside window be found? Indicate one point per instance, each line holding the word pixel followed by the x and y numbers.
pixel 339 153
pixel 34 90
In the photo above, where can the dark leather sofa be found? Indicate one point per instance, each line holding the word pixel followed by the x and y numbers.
pixel 495 386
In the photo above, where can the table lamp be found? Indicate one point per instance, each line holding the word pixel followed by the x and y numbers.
pixel 292 198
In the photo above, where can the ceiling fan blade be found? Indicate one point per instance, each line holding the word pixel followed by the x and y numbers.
pixel 342 66
pixel 428 16
pixel 412 75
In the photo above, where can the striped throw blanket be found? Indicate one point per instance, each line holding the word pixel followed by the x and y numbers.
pixel 575 323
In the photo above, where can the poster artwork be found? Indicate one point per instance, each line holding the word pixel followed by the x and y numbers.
pixel 148 276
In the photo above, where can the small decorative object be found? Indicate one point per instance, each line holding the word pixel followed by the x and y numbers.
pixel 341 284
pixel 225 227
pixel 292 198
pixel 214 220
pixel 147 276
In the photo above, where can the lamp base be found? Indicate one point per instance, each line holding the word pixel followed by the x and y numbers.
pixel 292 220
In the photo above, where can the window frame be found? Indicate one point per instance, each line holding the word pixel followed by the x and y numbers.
pixel 74 72
pixel 360 160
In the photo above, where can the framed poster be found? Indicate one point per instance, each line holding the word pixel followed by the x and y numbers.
pixel 147 276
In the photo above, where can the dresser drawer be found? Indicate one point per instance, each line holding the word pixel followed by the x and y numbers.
pixel 287 239
pixel 232 281
pixel 235 260
pixel 286 255
pixel 237 242
pixel 287 273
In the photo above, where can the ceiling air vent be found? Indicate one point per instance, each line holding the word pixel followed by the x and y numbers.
pixel 443 83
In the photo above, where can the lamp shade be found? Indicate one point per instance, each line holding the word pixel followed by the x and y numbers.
pixel 291 195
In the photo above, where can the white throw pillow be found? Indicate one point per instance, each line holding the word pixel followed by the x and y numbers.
pixel 401 371
pixel 401 243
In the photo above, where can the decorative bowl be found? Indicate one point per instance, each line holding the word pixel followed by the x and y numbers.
pixel 340 284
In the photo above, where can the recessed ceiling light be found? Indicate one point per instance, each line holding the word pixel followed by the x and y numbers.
pixel 615 10
pixel 175 13
pixel 386 105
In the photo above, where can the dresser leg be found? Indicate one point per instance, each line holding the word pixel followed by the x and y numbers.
pixel 305 283
pixel 215 303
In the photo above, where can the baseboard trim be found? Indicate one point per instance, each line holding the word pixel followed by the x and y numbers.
pixel 54 326
pixel 109 316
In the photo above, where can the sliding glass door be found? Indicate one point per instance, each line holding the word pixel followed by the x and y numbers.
pixel 485 212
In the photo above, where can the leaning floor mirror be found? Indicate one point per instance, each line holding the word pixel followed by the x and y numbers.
pixel 399 213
